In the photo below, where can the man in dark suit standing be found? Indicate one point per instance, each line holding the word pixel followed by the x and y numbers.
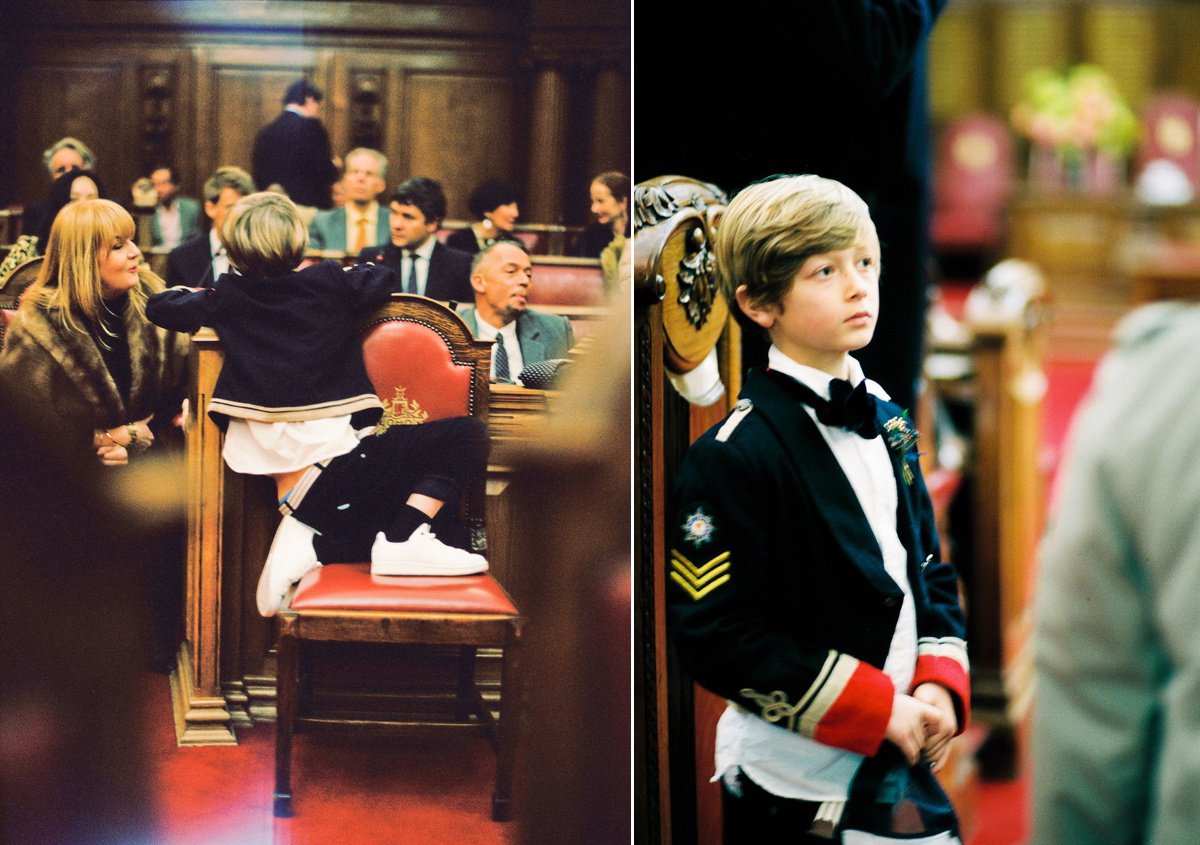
pixel 501 274
pixel 425 265
pixel 198 263
pixel 873 135
pixel 293 150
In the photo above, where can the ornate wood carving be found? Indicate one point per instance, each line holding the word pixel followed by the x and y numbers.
pixel 674 218
pixel 157 90
pixel 366 109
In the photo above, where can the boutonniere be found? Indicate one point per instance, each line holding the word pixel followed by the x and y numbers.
pixel 902 439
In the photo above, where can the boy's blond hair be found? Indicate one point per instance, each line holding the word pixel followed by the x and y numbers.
pixel 264 235
pixel 69 280
pixel 771 227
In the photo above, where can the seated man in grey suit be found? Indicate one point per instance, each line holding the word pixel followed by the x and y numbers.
pixel 425 265
pixel 501 274
pixel 361 222
pixel 176 217
pixel 198 263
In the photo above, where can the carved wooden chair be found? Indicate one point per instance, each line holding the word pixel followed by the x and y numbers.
pixel 425 365
pixel 1171 122
pixel 974 177
pixel 12 286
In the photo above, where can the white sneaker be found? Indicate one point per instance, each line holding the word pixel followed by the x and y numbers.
pixel 423 554
pixel 290 557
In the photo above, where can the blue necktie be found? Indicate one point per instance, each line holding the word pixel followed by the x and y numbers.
pixel 501 360
pixel 412 273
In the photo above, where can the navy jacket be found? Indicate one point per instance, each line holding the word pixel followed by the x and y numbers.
pixel 777 595
pixel 292 351
pixel 293 151
pixel 190 264
pixel 449 278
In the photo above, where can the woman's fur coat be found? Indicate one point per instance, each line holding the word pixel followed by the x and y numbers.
pixel 61 373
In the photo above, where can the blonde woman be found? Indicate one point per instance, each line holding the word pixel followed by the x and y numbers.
pixel 81 347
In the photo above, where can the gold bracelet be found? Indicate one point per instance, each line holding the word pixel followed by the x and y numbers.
pixel 133 433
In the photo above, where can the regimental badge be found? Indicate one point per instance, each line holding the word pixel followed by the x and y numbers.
pixel 698 528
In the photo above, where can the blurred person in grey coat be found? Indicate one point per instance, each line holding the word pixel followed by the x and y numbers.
pixel 1116 740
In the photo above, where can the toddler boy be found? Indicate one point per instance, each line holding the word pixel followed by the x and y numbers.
pixel 295 402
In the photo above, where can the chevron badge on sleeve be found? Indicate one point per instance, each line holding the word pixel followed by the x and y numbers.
pixel 699 581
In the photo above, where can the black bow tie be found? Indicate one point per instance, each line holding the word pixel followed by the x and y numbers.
pixel 851 408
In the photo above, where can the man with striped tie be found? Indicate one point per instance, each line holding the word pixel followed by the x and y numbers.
pixel 501 274
pixel 425 265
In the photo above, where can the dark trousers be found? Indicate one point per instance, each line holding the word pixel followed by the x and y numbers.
pixel 360 493
pixel 757 816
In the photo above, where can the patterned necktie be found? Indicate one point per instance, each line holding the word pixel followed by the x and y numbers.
pixel 411 285
pixel 501 360
pixel 360 242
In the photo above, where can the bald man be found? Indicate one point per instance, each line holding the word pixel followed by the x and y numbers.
pixel 501 275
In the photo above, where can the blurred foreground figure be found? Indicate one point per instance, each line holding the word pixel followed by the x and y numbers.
pixel 75 549
pixel 1116 742
pixel 572 487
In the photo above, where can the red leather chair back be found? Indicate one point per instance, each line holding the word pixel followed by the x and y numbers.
pixel 974 176
pixel 1170 124
pixel 578 283
pixel 413 359
pixel 424 362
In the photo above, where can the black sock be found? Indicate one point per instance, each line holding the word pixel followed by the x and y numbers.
pixel 406 522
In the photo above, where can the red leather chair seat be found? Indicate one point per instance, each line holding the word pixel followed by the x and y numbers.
pixel 351 586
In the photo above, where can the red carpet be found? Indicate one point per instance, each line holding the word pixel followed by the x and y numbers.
pixel 347 789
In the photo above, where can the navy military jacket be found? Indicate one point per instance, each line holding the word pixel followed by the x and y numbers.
pixel 777 595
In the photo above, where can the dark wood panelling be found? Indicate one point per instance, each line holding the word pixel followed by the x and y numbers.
pixel 87 102
pixel 444 88
pixel 473 141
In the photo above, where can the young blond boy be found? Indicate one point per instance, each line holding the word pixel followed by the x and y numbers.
pixel 805 584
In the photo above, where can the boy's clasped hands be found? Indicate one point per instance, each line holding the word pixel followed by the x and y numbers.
pixel 922 724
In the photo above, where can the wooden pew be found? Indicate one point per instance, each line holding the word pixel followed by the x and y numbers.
pixel 539 238
pixel 1171 271
pixel 1003 387
pixel 10 225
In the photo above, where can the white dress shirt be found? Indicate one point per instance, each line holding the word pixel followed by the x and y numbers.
pixel 781 761
pixel 220 261
pixel 269 448
pixel 170 227
pixel 424 252
pixel 508 336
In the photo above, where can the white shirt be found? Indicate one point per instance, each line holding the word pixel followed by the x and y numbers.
pixel 781 761
pixel 508 336
pixel 424 253
pixel 220 261
pixel 262 448
pixel 170 227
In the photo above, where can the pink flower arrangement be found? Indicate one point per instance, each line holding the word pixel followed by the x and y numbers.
pixel 1076 111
